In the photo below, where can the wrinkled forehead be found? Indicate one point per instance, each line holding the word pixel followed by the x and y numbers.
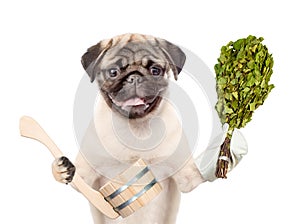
pixel 134 52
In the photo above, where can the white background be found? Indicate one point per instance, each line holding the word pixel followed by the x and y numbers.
pixel 41 45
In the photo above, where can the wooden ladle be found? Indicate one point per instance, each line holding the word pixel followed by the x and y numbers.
pixel 31 129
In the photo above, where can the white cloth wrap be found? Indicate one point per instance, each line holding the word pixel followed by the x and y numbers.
pixel 207 160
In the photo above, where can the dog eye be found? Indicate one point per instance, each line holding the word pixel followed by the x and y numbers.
pixel 113 72
pixel 156 70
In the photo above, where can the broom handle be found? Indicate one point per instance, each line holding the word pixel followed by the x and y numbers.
pixel 31 129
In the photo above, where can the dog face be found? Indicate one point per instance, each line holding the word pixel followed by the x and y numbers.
pixel 132 71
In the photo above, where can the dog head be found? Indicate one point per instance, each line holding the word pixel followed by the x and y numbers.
pixel 132 71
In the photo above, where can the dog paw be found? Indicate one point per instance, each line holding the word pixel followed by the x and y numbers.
pixel 63 170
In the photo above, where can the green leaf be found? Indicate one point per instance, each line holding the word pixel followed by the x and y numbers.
pixel 235 105
pixel 251 64
pixel 228 96
pixel 251 82
pixel 234 81
pixel 222 81
pixel 238 74
pixel 235 95
pixel 238 44
pixel 252 106
pixel 228 110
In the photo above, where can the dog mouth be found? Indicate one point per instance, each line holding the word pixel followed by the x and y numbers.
pixel 135 107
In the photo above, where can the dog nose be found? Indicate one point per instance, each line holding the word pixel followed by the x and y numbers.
pixel 134 79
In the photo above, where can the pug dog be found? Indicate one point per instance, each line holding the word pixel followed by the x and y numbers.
pixel 133 72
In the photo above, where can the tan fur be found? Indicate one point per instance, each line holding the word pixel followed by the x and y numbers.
pixel 125 38
pixel 163 209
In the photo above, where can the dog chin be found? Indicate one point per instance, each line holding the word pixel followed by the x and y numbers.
pixel 135 107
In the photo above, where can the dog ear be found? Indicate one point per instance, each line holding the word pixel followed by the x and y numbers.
pixel 93 56
pixel 175 56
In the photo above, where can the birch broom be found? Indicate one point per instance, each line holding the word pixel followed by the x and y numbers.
pixel 243 73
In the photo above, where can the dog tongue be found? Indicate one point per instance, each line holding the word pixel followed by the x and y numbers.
pixel 133 102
